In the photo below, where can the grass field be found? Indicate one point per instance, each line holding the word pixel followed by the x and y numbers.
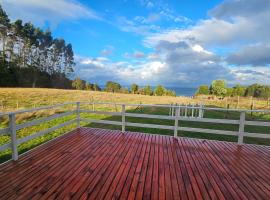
pixel 13 99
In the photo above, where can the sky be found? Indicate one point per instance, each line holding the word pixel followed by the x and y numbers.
pixel 179 43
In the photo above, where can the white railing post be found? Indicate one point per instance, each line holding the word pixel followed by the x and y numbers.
pixel 177 114
pixel 12 127
pixel 123 118
pixel 200 111
pixel 241 127
pixel 78 115
pixel 186 110
pixel 192 111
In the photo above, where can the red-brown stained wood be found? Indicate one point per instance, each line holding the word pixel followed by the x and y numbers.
pixel 107 164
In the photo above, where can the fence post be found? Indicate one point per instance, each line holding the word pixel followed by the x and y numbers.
pixel 123 118
pixel 78 115
pixel 12 127
pixel 201 111
pixel 192 111
pixel 241 127
pixel 177 114
pixel 93 106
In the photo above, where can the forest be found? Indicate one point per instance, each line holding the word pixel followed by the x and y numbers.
pixel 31 57
pixel 219 88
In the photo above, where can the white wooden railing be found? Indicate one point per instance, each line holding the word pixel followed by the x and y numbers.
pixel 176 117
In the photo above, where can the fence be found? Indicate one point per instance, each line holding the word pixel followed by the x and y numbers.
pixel 13 127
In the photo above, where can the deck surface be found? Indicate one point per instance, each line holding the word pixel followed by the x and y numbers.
pixel 105 164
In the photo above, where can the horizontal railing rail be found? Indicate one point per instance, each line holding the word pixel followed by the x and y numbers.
pixel 13 127
pixel 174 115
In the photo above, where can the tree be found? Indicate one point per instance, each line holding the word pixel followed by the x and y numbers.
pixel 160 90
pixel 112 87
pixel 229 92
pixel 148 90
pixel 250 90
pixel 78 84
pixel 96 87
pixel 4 20
pixel 89 86
pixel 238 90
pixel 203 89
pixel 124 90
pixel 170 93
pixel 134 88
pixel 218 88
pixel 36 58
pixel 262 91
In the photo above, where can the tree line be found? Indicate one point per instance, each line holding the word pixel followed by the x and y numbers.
pixel 31 57
pixel 219 88
pixel 115 87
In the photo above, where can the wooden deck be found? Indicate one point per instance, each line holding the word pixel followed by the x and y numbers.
pixel 106 164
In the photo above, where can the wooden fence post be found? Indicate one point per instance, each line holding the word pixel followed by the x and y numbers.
pixel 115 107
pixel 238 101
pixel 241 127
pixel 123 118
pixel 93 106
pixel 78 115
pixel 177 114
pixel 12 127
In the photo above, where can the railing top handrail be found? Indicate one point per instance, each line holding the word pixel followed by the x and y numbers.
pixel 36 109
pixel 134 104
pixel 181 106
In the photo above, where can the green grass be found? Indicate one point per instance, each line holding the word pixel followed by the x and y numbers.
pixel 208 114
pixel 5 155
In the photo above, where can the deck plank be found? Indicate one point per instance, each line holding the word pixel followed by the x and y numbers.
pixel 93 163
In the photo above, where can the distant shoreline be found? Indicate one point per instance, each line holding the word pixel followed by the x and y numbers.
pixel 179 91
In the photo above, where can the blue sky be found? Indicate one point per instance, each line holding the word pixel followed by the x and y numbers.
pixel 174 43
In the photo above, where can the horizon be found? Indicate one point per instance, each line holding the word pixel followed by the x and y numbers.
pixel 170 43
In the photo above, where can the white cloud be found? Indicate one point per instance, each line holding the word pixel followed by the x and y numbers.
pixel 136 26
pixel 45 11
pixel 257 54
pixel 107 51
pixel 250 75
pixel 136 55
pixel 238 34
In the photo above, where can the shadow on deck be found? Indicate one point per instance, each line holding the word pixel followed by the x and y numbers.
pixel 91 163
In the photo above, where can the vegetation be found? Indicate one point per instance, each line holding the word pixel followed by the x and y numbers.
pixel 31 57
pixel 147 90
pixel 219 88
pixel 203 89
pixel 42 97
pixel 80 84
pixel 134 88
pixel 112 87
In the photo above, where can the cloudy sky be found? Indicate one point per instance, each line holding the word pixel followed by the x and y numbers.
pixel 174 42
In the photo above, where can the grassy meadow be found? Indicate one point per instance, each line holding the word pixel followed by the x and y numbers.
pixel 12 99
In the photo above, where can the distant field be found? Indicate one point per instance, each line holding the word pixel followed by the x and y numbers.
pixel 21 98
